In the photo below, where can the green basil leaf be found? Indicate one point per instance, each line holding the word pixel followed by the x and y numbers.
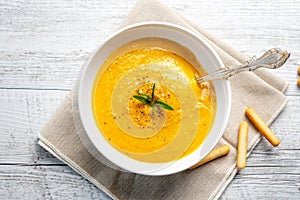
pixel 146 99
pixel 143 100
pixel 144 95
pixel 153 88
pixel 163 105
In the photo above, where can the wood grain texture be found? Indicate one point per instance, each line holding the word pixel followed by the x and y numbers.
pixel 43 44
pixel 23 114
pixel 45 182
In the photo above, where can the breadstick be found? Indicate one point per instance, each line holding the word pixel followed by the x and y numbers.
pixel 298 82
pixel 216 153
pixel 299 70
pixel 242 145
pixel 262 127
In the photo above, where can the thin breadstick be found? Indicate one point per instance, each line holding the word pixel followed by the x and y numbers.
pixel 262 127
pixel 298 82
pixel 242 145
pixel 216 153
pixel 299 70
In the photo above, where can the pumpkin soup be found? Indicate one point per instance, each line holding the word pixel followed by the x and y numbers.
pixel 147 103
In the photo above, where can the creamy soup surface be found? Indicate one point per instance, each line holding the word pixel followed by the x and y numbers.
pixel 151 132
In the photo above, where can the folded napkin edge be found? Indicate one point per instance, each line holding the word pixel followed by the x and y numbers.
pixel 52 150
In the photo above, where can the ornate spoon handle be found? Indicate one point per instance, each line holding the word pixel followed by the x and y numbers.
pixel 272 59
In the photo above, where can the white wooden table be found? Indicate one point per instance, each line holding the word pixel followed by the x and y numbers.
pixel 43 45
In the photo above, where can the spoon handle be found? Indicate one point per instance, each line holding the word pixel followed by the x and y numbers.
pixel 272 59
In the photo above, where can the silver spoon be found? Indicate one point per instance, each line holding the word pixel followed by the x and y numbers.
pixel 272 59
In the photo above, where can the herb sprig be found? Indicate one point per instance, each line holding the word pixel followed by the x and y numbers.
pixel 151 101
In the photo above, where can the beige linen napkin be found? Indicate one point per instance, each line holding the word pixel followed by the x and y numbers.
pixel 262 91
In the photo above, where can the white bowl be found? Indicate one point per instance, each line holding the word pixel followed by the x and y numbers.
pixel 204 54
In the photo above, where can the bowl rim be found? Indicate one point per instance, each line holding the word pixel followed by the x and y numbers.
pixel 225 83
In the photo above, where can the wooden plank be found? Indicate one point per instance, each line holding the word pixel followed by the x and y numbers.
pixel 46 70
pixel 61 182
pixel 47 52
pixel 264 185
pixel 45 182
pixel 40 70
pixel 22 114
